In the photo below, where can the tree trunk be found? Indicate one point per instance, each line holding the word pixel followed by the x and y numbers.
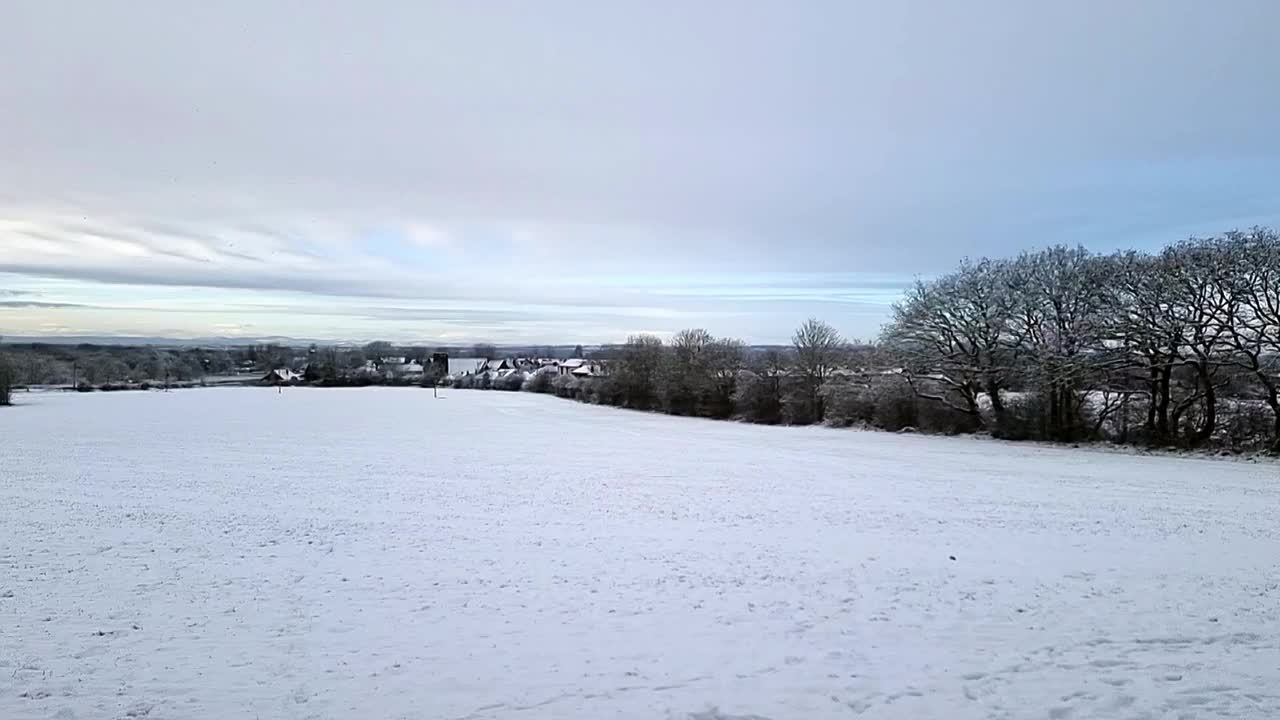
pixel 1162 406
pixel 1053 429
pixel 1210 406
pixel 1273 399
pixel 1066 414
pixel 1154 385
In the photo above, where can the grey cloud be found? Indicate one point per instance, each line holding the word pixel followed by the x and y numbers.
pixel 825 126
pixel 559 144
pixel 36 304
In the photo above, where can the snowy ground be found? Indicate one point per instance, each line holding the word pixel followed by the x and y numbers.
pixel 239 553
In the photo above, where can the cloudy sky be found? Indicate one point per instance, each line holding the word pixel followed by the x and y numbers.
pixel 574 172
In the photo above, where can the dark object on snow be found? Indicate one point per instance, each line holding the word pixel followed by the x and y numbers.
pixel 953 557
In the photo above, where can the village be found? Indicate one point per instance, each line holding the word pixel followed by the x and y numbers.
pixel 436 369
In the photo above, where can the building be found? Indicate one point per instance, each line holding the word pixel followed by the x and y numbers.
pixel 588 368
pixel 496 365
pixel 464 366
pixel 567 367
pixel 281 376
pixel 403 371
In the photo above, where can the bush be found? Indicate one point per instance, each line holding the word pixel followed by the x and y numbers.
pixel 599 391
pixel 1023 418
pixel 1245 425
pixel 511 382
pixel 798 407
pixel 756 398
pixel 566 386
pixel 895 405
pixel 938 417
pixel 539 382
pixel 847 403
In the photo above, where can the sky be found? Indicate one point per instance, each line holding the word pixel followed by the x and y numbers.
pixel 562 172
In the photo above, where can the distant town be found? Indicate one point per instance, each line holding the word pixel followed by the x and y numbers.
pixel 107 367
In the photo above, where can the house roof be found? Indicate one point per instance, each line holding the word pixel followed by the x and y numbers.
pixel 459 366
pixel 575 362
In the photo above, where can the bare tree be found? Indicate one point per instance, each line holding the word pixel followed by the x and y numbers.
pixel 1254 326
pixel 724 363
pixel 636 370
pixel 684 378
pixel 758 394
pixel 819 352
pixel 952 337
pixel 1202 302
pixel 6 379
pixel 1058 303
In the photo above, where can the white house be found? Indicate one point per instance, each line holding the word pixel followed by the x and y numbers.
pixel 408 370
pixel 567 367
pixel 588 368
pixel 281 376
pixel 496 365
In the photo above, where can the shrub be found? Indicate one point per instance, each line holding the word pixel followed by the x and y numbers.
pixel 539 382
pixel 512 382
pixel 756 398
pixel 599 391
pixel 895 405
pixel 566 386
pixel 1245 425
pixel 939 417
pixel 1023 417
pixel 798 404
pixel 847 403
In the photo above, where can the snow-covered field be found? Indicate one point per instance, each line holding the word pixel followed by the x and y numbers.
pixel 238 553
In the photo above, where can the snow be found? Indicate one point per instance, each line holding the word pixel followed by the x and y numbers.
pixel 375 553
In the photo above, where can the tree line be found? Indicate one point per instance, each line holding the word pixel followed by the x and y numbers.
pixel 1179 347
pixel 1175 348
pixel 104 365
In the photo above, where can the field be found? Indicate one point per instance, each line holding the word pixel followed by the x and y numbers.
pixel 238 553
